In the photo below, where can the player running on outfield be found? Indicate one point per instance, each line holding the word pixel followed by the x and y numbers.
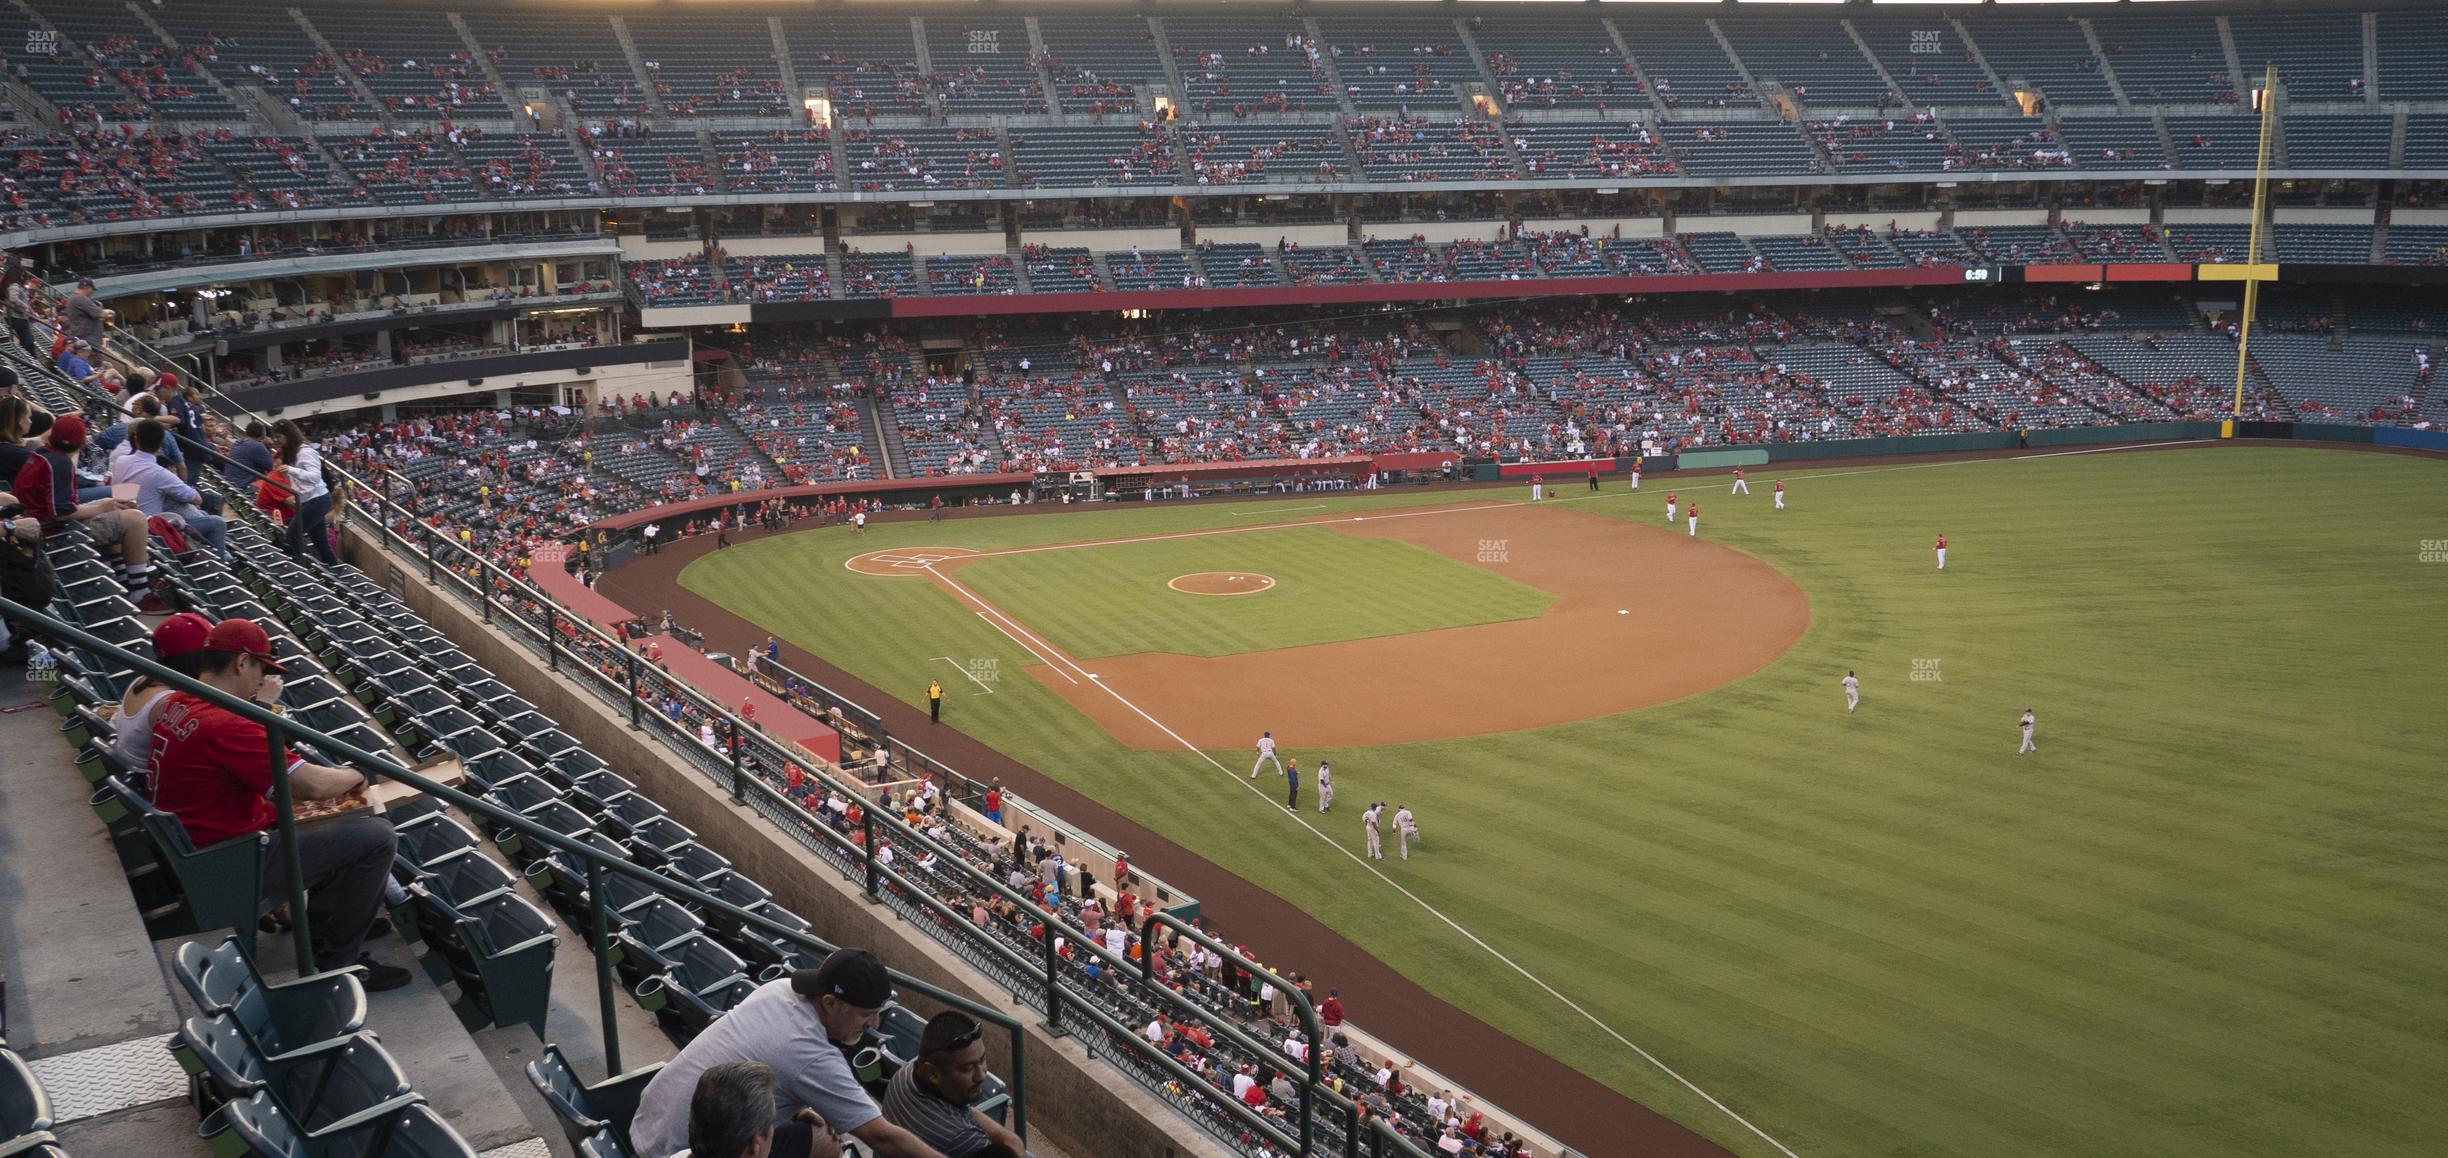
pixel 1852 687
pixel 1266 754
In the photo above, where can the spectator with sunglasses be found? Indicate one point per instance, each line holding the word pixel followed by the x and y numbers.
pixel 935 1096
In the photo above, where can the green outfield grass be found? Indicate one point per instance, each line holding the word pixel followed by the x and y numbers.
pixel 2204 920
pixel 1113 600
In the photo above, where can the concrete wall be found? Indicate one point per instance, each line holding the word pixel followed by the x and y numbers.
pixel 1437 232
pixel 635 247
pixel 2419 217
pixel 1334 234
pixel 2207 216
pixel 761 246
pixel 1746 224
pixel 2310 215
pixel 1984 218
pixel 2101 216
pixel 1880 221
pixel 1598 226
pixel 1086 1107
pixel 928 244
pixel 1104 240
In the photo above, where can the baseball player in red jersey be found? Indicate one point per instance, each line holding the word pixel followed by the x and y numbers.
pixel 1741 487
pixel 1695 520
pixel 1942 551
pixel 1780 494
pixel 1670 508
pixel 1636 472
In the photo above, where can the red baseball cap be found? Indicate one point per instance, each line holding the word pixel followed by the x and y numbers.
pixel 243 637
pixel 181 634
pixel 68 432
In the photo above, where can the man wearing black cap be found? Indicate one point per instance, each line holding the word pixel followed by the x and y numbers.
pixel 936 1095
pixel 799 1027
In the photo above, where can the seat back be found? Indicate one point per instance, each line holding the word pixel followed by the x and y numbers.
pixel 562 1090
pixel 235 1067
pixel 267 1132
pixel 419 1132
pixel 215 977
pixel 24 1107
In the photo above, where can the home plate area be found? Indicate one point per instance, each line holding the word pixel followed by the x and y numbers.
pixel 904 561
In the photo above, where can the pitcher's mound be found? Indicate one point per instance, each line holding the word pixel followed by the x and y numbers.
pixel 1221 583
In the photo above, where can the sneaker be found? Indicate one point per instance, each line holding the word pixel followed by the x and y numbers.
pixel 380 977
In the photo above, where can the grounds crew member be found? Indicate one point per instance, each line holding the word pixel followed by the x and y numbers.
pixel 935 701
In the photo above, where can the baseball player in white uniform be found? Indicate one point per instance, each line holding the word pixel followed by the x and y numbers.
pixel 1636 469
pixel 1852 687
pixel 1780 494
pixel 2028 746
pixel 1692 517
pixel 1742 486
pixel 1266 755
pixel 1538 489
pixel 1406 829
pixel 1670 508
pixel 1325 786
pixel 1368 826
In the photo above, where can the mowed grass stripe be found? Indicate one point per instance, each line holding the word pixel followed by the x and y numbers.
pixel 2201 922
pixel 1113 599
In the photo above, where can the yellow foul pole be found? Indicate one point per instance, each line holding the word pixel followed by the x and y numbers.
pixel 2252 247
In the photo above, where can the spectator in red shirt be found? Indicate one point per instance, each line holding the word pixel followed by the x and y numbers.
pixel 994 803
pixel 1330 1014
pixel 211 770
pixel 47 485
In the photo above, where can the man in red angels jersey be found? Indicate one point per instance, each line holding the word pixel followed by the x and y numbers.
pixel 1780 494
pixel 1741 486
pixel 1670 508
pixel 1942 551
pixel 1694 515
pixel 1636 469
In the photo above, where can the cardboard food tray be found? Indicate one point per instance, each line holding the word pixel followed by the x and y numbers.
pixel 386 794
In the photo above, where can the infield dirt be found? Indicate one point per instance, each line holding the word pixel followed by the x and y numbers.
pixel 1701 615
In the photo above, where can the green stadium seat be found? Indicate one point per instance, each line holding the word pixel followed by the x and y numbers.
pixel 413 1132
pixel 602 1110
pixel 280 1019
pixel 318 1087
pixel 25 1110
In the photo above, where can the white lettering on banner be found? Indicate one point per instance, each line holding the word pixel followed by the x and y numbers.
pixel 1928 42
pixel 42 42
pixel 985 42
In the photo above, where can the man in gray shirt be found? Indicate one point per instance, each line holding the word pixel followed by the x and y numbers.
pixel 82 316
pixel 935 1096
pixel 792 1026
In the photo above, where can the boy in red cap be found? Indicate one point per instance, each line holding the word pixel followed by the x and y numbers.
pixel 210 771
pixel 47 485
pixel 178 644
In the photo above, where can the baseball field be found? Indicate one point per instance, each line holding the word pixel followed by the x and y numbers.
pixel 2202 919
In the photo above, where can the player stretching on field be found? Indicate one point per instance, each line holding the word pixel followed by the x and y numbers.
pixel 1266 754
pixel 2028 746
pixel 1741 487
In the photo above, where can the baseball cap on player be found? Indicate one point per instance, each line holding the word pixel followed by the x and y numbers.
pixel 854 976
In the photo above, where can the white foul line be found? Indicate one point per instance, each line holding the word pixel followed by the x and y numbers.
pixel 1032 650
pixel 983 690
pixel 1251 786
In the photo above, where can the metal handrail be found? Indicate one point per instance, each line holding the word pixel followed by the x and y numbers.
pixel 280 730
